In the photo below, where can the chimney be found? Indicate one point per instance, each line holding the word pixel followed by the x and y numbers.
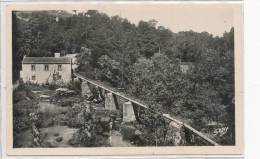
pixel 56 54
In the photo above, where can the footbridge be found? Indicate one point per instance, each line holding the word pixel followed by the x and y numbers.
pixel 131 110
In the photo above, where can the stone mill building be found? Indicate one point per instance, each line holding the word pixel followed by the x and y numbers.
pixel 44 70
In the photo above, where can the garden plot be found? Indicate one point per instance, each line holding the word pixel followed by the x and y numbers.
pixel 57 136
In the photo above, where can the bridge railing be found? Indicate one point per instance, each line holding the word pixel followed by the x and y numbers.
pixel 191 134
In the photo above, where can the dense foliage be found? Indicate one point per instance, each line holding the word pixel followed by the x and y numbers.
pixel 144 59
pixel 24 105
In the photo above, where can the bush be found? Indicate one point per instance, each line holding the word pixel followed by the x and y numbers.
pixel 75 141
pixel 21 111
pixel 56 134
pixel 52 86
pixel 19 95
pixel 83 137
pixel 128 132
pixel 25 106
pixel 101 141
pixel 69 101
pixel 59 139
pixel 104 122
pixel 22 92
pixel 75 85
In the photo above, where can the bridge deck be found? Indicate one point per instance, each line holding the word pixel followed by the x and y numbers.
pixel 139 103
pixel 112 90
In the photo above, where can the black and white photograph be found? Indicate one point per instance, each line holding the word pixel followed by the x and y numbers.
pixel 124 75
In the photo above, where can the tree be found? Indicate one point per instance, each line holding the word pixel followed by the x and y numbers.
pixel 147 39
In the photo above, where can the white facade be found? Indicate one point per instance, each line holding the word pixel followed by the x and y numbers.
pixel 43 72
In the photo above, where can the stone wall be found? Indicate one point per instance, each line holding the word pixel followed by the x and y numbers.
pixel 42 76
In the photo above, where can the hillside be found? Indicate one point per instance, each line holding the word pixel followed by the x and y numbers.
pixel 144 60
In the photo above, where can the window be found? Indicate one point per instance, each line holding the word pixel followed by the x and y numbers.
pixel 33 77
pixel 59 77
pixel 33 67
pixel 59 67
pixel 46 67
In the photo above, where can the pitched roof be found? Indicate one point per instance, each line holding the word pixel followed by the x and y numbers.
pixel 46 60
pixel 187 63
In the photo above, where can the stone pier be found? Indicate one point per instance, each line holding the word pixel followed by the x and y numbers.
pixel 85 90
pixel 128 112
pixel 110 102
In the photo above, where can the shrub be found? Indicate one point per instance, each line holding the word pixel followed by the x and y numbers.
pixel 84 137
pixel 21 111
pixel 74 141
pixel 75 85
pixel 56 134
pixel 52 86
pixel 59 139
pixel 101 141
pixel 19 95
pixel 128 132
pixel 68 101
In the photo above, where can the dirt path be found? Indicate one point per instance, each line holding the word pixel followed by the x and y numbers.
pixel 57 136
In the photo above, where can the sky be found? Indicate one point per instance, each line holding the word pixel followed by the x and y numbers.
pixel 215 19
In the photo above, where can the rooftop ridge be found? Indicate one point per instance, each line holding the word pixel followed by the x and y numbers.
pixel 46 60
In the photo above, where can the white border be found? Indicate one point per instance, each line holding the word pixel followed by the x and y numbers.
pixel 252 79
pixel 3 85
pixel 3 76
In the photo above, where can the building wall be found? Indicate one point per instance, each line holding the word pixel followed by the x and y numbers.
pixel 184 68
pixel 42 76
